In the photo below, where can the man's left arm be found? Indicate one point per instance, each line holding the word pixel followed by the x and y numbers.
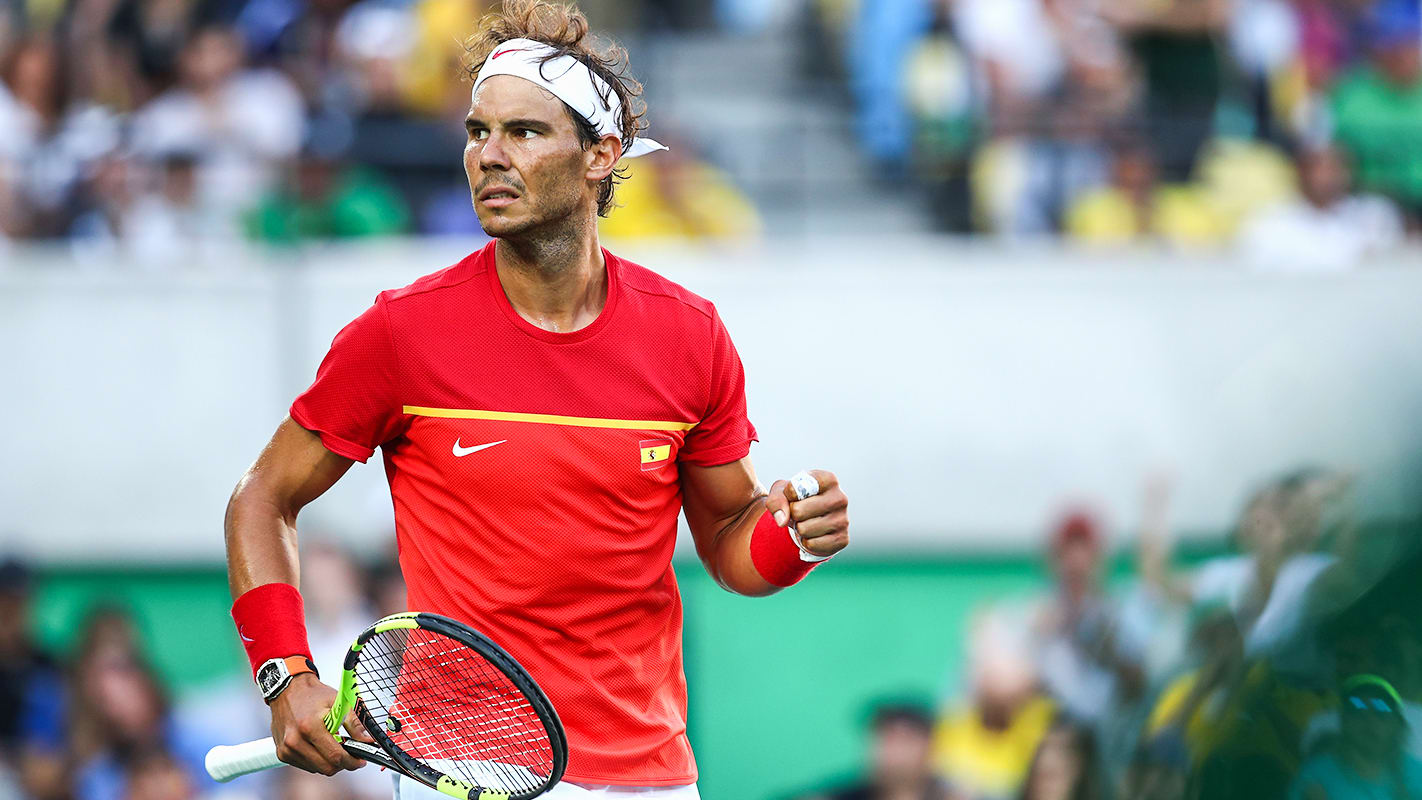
pixel 740 529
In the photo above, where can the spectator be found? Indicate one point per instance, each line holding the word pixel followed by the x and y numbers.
pixel 1362 642
pixel 1327 228
pixel 984 749
pixel 336 611
pixel 326 198
pixel 1196 707
pixel 1055 77
pixel 1177 43
pixel 881 36
pixel 120 713
pixel 900 759
pixel 373 41
pixel 1065 766
pixel 1089 664
pixel 1368 759
pixel 677 196
pixel 1266 586
pixel 49 141
pixel 1135 206
pixel 156 775
pixel 243 121
pixel 1378 106
pixel 31 693
pixel 170 225
pixel 99 220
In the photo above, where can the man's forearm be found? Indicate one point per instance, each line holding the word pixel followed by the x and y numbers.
pixel 730 561
pixel 261 541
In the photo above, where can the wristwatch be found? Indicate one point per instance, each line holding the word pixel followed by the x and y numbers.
pixel 275 674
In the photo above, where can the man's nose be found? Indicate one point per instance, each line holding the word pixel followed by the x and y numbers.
pixel 492 155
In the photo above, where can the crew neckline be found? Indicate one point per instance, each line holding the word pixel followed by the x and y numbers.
pixel 614 286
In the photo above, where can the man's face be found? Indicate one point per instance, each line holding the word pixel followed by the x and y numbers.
pixel 523 160
pixel 1400 63
pixel 1323 177
pixel 1378 734
pixel 900 752
pixel 1076 563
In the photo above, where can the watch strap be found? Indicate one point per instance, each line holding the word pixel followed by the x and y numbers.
pixel 274 675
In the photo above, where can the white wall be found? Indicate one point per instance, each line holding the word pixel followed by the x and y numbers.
pixel 962 393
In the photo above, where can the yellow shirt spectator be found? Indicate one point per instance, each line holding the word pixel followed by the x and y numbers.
pixel 986 762
pixel 669 196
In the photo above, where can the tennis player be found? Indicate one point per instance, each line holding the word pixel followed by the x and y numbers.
pixel 545 409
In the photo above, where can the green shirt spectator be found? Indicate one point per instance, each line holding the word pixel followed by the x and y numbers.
pixel 1378 108
pixel 328 201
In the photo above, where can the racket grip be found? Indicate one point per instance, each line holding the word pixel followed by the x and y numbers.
pixel 226 762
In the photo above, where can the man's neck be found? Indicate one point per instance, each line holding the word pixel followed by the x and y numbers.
pixel 559 282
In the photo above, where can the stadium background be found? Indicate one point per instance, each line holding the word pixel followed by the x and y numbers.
pixel 982 298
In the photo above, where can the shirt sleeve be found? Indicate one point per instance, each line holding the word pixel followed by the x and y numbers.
pixel 352 404
pixel 724 432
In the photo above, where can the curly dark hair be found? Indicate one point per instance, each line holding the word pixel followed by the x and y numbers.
pixel 565 29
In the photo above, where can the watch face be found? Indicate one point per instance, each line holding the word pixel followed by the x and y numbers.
pixel 269 677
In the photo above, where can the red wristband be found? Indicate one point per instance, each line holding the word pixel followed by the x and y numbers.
pixel 271 621
pixel 775 555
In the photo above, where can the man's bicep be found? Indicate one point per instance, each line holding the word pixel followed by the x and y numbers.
pixel 295 468
pixel 713 497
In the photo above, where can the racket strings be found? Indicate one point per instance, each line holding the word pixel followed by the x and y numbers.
pixel 434 717
pixel 445 704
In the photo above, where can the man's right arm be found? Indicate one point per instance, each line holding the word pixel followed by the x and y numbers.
pixel 260 528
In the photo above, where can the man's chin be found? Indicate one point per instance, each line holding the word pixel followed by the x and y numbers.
pixel 501 227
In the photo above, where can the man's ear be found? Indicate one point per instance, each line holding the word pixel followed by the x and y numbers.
pixel 603 157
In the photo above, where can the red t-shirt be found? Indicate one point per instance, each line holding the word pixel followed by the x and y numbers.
pixel 535 481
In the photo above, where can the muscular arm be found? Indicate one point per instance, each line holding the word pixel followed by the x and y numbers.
pixel 260 527
pixel 723 505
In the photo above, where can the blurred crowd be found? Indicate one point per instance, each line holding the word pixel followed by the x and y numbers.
pixel 1290 127
pixel 1290 668
pixel 170 130
pixel 103 724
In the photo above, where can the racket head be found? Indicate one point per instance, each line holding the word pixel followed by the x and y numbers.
pixel 453 709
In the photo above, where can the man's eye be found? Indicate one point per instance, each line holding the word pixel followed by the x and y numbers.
pixel 525 133
pixel 478 134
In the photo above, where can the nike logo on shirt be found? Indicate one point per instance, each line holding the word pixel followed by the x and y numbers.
pixel 460 452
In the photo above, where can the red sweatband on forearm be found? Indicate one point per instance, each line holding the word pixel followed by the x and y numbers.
pixel 271 621
pixel 775 555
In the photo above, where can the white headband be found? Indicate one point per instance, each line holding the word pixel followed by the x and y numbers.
pixel 569 80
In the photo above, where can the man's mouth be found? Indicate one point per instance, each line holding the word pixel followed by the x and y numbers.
pixel 498 196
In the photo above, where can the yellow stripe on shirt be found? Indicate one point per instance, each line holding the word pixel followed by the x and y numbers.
pixel 549 419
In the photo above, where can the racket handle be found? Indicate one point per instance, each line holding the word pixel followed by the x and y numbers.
pixel 228 761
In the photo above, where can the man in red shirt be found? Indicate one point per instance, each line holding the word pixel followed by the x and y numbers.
pixel 544 410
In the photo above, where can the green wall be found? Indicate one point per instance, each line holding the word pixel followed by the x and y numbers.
pixel 779 685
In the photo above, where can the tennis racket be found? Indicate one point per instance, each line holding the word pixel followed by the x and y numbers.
pixel 445 706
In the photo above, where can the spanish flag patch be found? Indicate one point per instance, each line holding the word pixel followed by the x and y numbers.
pixel 655 453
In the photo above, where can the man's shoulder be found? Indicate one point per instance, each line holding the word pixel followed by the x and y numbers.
pixel 637 278
pixel 431 286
